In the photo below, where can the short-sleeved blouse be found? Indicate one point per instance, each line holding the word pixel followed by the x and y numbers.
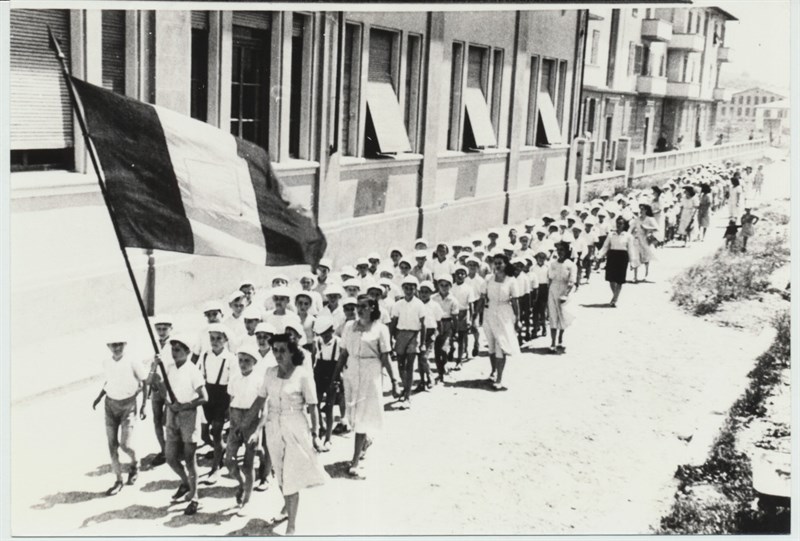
pixel 289 395
pixel 366 343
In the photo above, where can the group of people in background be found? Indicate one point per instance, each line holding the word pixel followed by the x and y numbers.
pixel 262 381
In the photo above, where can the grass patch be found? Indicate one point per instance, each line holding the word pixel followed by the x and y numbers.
pixel 732 275
pixel 717 497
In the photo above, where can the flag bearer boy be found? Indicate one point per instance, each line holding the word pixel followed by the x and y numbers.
pixel 244 414
pixel 123 381
pixel 183 422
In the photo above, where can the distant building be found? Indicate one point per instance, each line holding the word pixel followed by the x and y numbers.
pixel 773 120
pixel 653 73
pixel 739 113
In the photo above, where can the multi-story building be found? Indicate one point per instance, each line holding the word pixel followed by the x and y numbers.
pixel 443 116
pixel 773 120
pixel 739 113
pixel 652 73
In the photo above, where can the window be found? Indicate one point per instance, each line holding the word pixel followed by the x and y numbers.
pixel 689 23
pixel 113 54
pixel 772 99
pixel 648 13
pixel 533 91
pixel 748 100
pixel 635 12
pixel 738 111
pixel 663 67
pixel 198 96
pixel 300 101
pixel 412 91
pixel 478 129
pixel 547 83
pixel 456 79
pixel 741 100
pixel 595 47
pixel 767 113
pixel 645 61
pixel 631 57
pixel 685 68
pixel 497 88
pixel 350 84
pixel 698 23
pixel 562 90
pixel 250 84
pixel 548 131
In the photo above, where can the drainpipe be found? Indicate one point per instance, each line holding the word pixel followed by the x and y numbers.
pixel 582 27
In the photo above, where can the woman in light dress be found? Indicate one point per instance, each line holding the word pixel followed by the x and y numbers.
pixel 657 205
pixel 644 229
pixel 561 277
pixel 688 211
pixel 365 353
pixel 704 210
pixel 290 392
pixel 501 317
pixel 736 197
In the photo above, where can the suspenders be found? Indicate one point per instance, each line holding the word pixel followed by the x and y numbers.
pixel 221 368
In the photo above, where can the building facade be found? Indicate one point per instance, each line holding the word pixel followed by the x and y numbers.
pixel 441 122
pixel 739 113
pixel 773 120
pixel 652 73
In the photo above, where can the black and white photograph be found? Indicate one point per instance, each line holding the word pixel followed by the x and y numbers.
pixel 398 269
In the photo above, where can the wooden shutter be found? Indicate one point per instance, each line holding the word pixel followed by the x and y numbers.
pixel 387 118
pixel 479 118
pixel 252 19
pixel 41 115
pixel 200 20
pixel 548 121
pixel 381 44
pixel 114 50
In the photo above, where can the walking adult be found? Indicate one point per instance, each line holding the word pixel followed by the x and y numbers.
pixel 617 250
pixel 688 212
pixel 365 353
pixel 290 393
pixel 735 197
pixel 643 230
pixel 704 210
pixel 501 317
pixel 657 206
pixel 561 278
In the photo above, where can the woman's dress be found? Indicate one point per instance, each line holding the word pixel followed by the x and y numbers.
pixel 498 321
pixel 561 276
pixel 688 207
pixel 363 376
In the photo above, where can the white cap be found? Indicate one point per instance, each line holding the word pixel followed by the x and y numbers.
pixel 325 262
pixel 281 277
pixel 280 291
pixel 235 295
pixel 181 339
pixel 385 282
pixel 249 351
pixel 161 319
pixel 460 268
pixel 362 261
pixel 427 284
pixel 349 270
pixel 374 255
pixel 421 241
pixel 349 301
pixel 420 254
pixel 334 289
pixel 296 326
pixel 322 324
pixel 251 312
pixel 212 306
pixel 352 282
pixel 410 280
pixel 265 328
pixel 218 327
pixel 445 278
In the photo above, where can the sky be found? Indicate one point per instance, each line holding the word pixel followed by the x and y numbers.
pixel 759 40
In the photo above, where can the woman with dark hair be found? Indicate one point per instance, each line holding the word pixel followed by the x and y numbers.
pixel 688 211
pixel 643 230
pixel 618 249
pixel 290 393
pixel 561 277
pixel 704 210
pixel 365 353
pixel 501 317
pixel 657 205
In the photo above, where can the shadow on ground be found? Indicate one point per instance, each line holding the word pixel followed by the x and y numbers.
pixel 141 512
pixel 48 502
pixel 338 470
pixel 257 527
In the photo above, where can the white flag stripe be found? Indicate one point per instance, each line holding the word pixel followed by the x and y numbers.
pixel 216 189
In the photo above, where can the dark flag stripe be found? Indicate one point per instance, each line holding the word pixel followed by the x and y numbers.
pixel 142 188
pixel 290 235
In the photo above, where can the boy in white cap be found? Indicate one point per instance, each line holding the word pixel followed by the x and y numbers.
pixel 249 290
pixel 252 317
pixel 433 318
pixel 441 264
pixel 215 366
pixel 363 271
pixel 245 409
pixel 476 282
pixel 163 327
pixel 279 316
pixel 303 303
pixel 408 324
pixel 235 322
pixel 466 296
pixel 183 422
pixel 333 310
pixel 450 308
pixel 421 271
pixel 124 378
pixel 266 359
pixel 323 270
pixel 307 282
pixel 212 311
pixel 374 262
pixel 328 348
pixel 539 270
pixel 494 234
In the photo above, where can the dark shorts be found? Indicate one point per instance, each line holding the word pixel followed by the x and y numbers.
pixel 600 242
pixel 235 436
pixel 462 323
pixel 406 342
pixel 183 426
pixel 120 413
pixel 216 409
pixel 323 377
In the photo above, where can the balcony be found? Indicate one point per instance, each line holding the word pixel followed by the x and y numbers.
pixel 724 54
pixel 656 30
pixel 655 86
pixel 687 42
pixel 722 94
pixel 683 90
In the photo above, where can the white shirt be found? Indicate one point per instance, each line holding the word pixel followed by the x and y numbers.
pixel 185 381
pixel 476 283
pixel 433 314
pixel 464 294
pixel 442 268
pixel 329 352
pixel 216 369
pixel 523 284
pixel 337 317
pixel 540 272
pixel 123 377
pixel 244 389
pixel 280 322
pixel 533 281
pixel 408 314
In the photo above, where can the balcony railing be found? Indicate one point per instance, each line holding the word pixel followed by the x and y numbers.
pixel 724 54
pixel 656 30
pixel 687 42
pixel 683 90
pixel 655 86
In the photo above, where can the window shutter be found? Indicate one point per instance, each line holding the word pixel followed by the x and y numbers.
pixel 548 120
pixel 114 50
pixel 41 115
pixel 200 20
pixel 252 19
pixel 479 118
pixel 381 55
pixel 637 61
pixel 387 118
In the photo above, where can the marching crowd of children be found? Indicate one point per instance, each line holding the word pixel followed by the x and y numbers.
pixel 260 384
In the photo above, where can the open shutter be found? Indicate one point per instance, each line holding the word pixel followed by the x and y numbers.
pixel 114 50
pixel 548 121
pixel 41 115
pixel 387 118
pixel 479 119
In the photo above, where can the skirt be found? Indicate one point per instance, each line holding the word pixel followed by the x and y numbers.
pixel 617 266
pixel 292 451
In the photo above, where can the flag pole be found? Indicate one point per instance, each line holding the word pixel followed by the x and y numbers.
pixel 76 105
